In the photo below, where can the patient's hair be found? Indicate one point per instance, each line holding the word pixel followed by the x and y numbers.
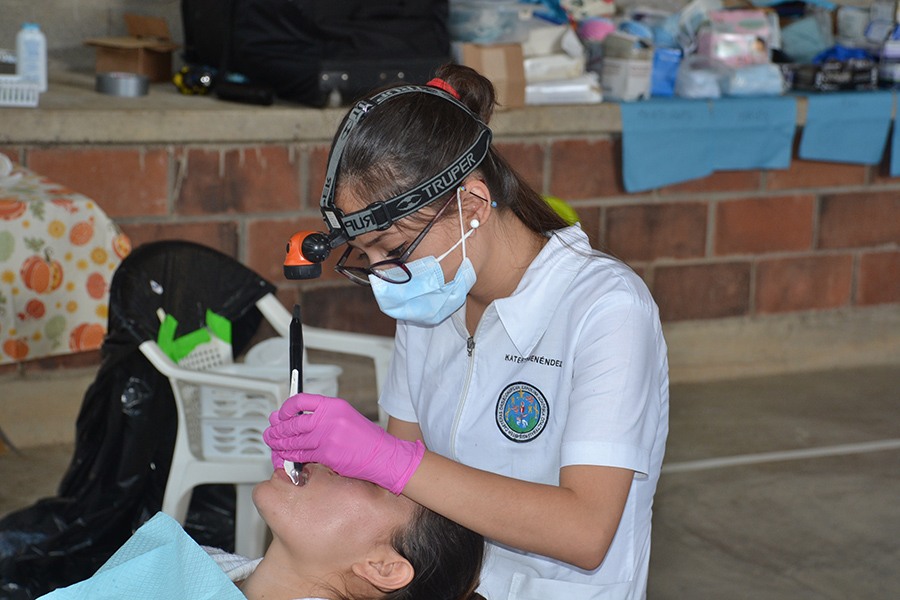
pixel 446 558
pixel 445 555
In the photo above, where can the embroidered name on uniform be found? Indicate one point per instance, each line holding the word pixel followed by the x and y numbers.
pixel 522 412
pixel 541 360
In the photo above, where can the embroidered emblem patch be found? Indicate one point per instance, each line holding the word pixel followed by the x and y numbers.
pixel 522 412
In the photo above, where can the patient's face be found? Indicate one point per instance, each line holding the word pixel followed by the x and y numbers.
pixel 329 518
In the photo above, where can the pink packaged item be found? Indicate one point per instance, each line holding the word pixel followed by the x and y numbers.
pixel 735 37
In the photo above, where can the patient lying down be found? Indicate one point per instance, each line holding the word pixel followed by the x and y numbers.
pixel 333 538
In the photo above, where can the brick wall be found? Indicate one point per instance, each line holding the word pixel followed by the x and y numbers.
pixel 818 236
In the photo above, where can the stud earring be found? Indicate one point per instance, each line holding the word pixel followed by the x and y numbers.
pixel 493 204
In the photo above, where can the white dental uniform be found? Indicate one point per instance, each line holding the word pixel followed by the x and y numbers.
pixel 570 369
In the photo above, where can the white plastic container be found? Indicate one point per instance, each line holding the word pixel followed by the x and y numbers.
pixel 31 55
pixel 15 92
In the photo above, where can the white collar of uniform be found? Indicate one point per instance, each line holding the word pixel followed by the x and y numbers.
pixel 527 312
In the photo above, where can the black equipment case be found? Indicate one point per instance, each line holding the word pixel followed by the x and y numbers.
pixel 319 52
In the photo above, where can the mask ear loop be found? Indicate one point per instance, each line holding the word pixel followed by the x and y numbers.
pixel 462 228
pixel 462 232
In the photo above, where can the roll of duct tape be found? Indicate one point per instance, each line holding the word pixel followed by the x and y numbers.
pixel 128 85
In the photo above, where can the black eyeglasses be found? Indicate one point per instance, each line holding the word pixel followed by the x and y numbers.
pixel 392 270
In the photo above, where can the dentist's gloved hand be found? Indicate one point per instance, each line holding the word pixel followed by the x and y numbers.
pixel 331 432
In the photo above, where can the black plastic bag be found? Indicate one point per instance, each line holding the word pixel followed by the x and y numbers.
pixel 290 45
pixel 126 427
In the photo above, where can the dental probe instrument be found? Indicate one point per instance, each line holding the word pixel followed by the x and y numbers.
pixel 295 354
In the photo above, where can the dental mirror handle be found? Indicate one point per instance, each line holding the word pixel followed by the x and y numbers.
pixel 296 352
pixel 295 359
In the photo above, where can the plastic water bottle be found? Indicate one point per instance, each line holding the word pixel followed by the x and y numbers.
pixel 31 55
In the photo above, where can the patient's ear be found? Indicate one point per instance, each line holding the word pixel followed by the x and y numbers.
pixel 386 570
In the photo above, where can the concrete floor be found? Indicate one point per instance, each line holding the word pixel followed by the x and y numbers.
pixel 804 501
pixel 776 488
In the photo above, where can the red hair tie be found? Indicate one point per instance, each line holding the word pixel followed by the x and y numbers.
pixel 443 85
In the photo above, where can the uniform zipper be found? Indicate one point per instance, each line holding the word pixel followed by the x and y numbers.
pixel 470 350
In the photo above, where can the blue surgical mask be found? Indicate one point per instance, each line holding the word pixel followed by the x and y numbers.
pixel 426 299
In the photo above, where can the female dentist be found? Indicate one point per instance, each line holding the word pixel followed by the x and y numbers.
pixel 528 393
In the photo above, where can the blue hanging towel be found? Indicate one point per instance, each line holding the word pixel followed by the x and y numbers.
pixel 848 127
pixel 753 133
pixel 665 141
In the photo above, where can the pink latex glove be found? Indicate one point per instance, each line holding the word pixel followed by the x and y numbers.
pixel 331 432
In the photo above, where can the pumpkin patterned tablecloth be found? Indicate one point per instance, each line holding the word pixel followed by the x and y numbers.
pixel 58 252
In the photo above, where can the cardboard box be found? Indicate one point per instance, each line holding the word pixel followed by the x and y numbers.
pixel 503 64
pixel 146 50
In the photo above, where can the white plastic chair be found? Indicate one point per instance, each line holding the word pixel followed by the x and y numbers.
pixel 223 411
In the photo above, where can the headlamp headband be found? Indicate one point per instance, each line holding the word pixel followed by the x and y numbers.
pixel 381 214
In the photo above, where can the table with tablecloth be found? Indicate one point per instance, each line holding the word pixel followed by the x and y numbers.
pixel 58 253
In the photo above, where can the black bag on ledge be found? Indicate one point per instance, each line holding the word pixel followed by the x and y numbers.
pixel 317 52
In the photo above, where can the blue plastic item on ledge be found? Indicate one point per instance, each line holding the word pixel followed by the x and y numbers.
pixel 665 71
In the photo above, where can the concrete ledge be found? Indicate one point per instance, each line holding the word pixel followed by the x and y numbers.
pixel 71 112
pixel 41 408
pixel 742 347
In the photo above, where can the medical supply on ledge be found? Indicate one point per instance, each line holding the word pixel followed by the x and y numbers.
pixel 487 21
pixel 15 92
pixel 584 89
pixel 123 85
pixel 23 88
pixel 552 67
pixel 735 37
pixel 627 63
pixel 31 55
